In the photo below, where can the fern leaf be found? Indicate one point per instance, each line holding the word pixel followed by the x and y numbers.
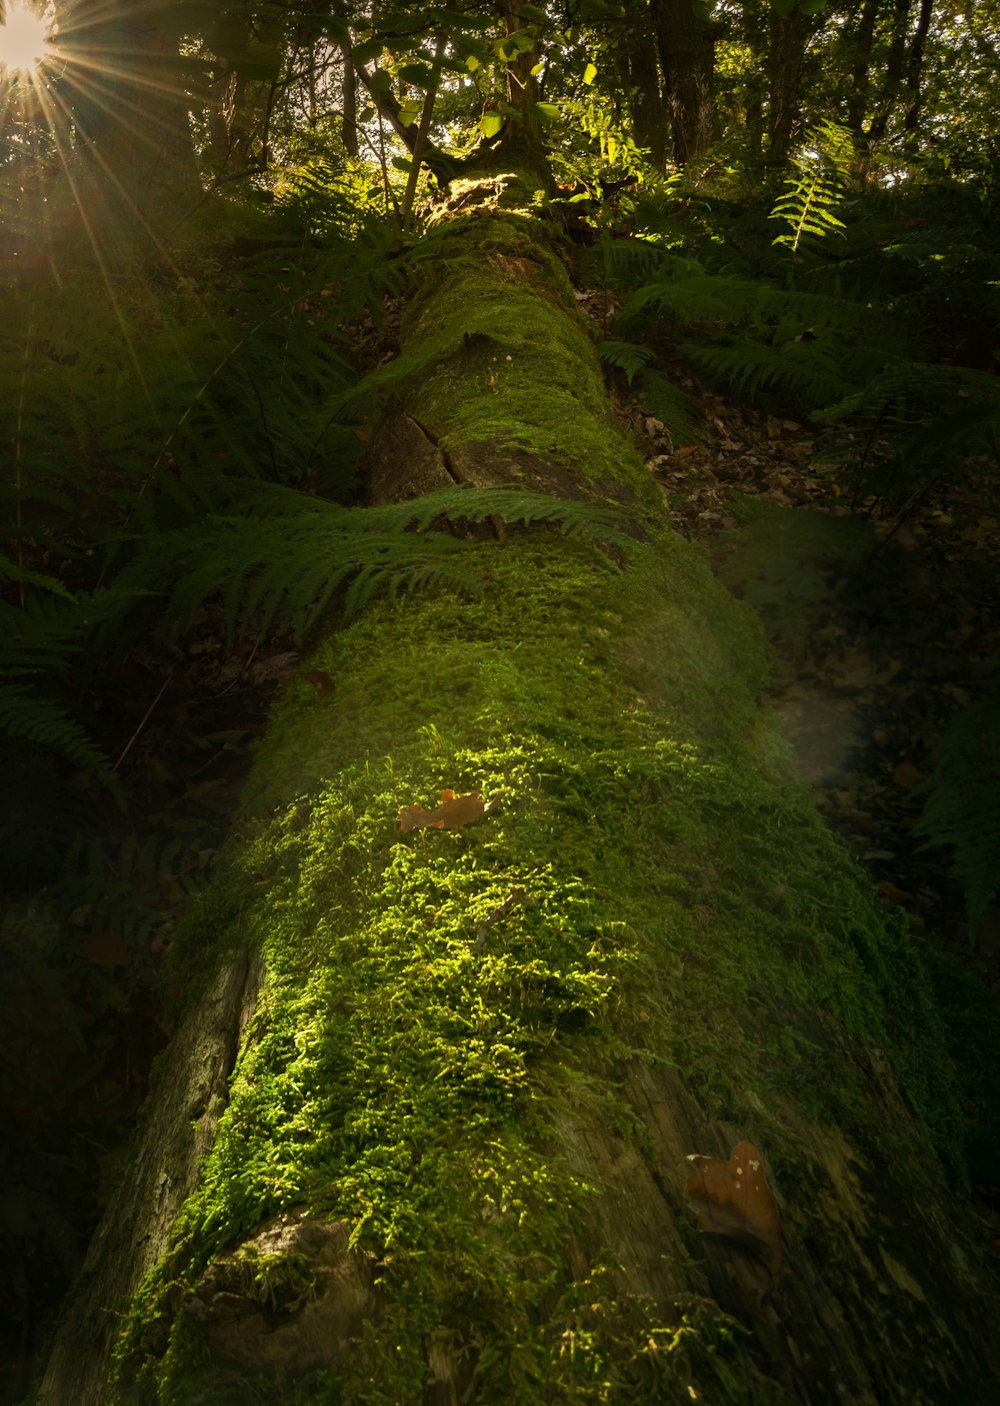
pixel 962 810
pixel 289 554
pixel 807 372
pixel 43 723
pixel 681 415
pixel 627 356
pixel 808 204
pixel 690 301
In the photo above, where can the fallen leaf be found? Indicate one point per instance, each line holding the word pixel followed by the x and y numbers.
pixel 319 681
pixel 733 1199
pixel 906 776
pixel 453 812
pixel 106 950
pixel 892 893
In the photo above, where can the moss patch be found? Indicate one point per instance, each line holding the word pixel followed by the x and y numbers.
pixel 680 898
pixel 503 357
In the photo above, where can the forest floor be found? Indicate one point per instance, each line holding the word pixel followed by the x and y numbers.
pixel 883 630
pixel 882 633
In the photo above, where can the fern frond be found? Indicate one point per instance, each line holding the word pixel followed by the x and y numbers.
pixel 629 357
pixel 41 722
pixel 290 554
pixel 23 576
pixel 918 424
pixel 681 415
pixel 808 372
pixel 622 263
pixel 575 519
pixel 693 300
pixel 962 809
pixel 812 196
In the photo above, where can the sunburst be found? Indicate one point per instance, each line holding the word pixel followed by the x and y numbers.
pixel 24 37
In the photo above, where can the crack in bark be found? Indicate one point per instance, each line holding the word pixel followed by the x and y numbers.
pixel 443 455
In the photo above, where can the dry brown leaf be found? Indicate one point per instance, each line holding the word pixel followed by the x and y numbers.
pixel 319 681
pixel 906 776
pixel 733 1199
pixel 453 812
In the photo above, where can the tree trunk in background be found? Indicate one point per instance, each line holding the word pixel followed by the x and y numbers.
pixel 349 123
pixel 640 78
pixel 789 34
pixel 686 44
pixel 521 144
pixel 914 66
pixel 894 72
pixel 471 1064
pixel 860 46
pixel 753 24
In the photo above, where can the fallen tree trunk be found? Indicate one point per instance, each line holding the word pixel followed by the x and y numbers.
pixel 526 914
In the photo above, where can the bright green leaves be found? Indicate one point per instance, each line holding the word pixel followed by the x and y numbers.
pixel 811 197
pixel 589 73
pixel 409 111
pixel 547 112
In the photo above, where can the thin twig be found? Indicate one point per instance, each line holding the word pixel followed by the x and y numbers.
pixel 128 745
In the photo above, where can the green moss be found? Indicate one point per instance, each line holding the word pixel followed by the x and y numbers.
pixel 408 1056
pixel 512 361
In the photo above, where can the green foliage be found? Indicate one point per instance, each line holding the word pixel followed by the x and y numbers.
pixel 289 555
pixel 629 357
pixel 811 197
pixel 914 425
pixel 678 411
pixel 848 346
pixel 962 809
pixel 142 403
pixel 41 723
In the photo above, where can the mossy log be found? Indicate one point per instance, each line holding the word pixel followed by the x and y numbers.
pixel 425 1136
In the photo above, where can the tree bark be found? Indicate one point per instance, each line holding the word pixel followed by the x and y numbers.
pixel 349 122
pixel 895 69
pixel 861 48
pixel 914 66
pixel 686 44
pixel 471 1063
pixel 640 80
pixel 789 34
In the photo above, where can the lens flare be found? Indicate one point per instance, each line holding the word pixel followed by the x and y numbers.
pixel 23 38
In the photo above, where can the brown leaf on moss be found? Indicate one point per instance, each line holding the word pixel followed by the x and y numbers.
pixel 733 1199
pixel 453 812
pixel 319 681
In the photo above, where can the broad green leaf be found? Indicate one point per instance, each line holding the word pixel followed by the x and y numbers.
pixel 258 61
pixel 418 75
pixel 399 22
pixel 332 26
pixel 589 73
pixel 452 20
pixel 410 110
pixel 370 49
pixel 548 112
pixel 490 123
